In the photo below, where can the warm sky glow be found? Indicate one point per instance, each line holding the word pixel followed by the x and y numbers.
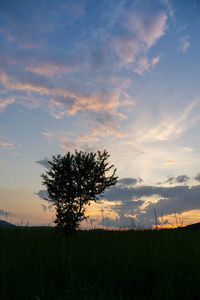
pixel 117 75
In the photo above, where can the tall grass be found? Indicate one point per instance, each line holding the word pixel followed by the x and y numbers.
pixel 43 264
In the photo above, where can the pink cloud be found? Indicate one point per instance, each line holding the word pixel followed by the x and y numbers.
pixel 145 64
pixel 142 25
pixel 6 101
pixel 148 27
pixel 6 145
pixel 106 125
pixel 64 138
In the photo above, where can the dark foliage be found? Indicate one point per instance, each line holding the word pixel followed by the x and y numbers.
pixel 73 181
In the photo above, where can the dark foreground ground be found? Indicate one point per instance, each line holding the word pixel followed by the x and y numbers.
pixel 42 264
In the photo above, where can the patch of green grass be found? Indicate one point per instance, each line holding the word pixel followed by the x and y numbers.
pixel 43 264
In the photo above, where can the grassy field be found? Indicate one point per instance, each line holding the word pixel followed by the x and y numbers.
pixel 43 264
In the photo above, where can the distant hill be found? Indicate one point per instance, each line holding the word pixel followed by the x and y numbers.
pixel 193 226
pixel 6 224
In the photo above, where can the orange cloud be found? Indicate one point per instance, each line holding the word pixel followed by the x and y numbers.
pixel 5 145
pixel 168 162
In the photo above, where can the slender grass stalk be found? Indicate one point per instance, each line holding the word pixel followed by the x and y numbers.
pixel 176 219
pixel 156 219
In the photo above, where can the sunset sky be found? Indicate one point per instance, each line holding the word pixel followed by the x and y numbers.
pixel 117 75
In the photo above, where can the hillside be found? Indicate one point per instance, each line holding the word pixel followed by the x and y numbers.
pixel 193 226
pixel 6 224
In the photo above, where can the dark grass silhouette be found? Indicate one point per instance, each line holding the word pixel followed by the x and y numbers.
pixel 45 264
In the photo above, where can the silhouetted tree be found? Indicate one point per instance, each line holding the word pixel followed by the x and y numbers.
pixel 73 181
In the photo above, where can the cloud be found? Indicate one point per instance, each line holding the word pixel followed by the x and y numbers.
pixel 178 179
pixel 36 74
pixel 19 19
pixel 182 179
pixel 124 193
pixel 129 181
pixel 130 203
pixel 136 203
pixel 170 180
pixel 5 213
pixel 64 138
pixel 44 207
pixel 52 63
pixel 147 23
pixel 185 199
pixel 170 9
pixel 4 101
pixel 197 177
pixel 120 222
pixel 47 208
pixel 184 43
pixel 172 125
pixel 41 92
pixel 145 64
pixel 169 162
pixel 106 124
pixel 133 27
pixel 143 24
pixel 15 154
pixel 42 194
pixel 44 162
pixel 119 193
pixel 6 145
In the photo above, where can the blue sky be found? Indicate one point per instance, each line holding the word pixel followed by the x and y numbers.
pixel 116 75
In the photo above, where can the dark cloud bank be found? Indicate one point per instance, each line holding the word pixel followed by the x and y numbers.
pixel 128 199
pixel 131 208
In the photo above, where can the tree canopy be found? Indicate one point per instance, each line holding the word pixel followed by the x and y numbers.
pixel 73 181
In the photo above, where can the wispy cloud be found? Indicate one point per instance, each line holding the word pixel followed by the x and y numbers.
pixel 60 101
pixel 105 125
pixel 64 138
pixel 47 208
pixel 169 162
pixel 3 166
pixel 184 43
pixel 172 125
pixel 145 64
pixel 4 145
pixel 4 101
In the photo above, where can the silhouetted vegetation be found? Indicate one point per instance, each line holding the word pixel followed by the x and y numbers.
pixel 43 264
pixel 73 181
